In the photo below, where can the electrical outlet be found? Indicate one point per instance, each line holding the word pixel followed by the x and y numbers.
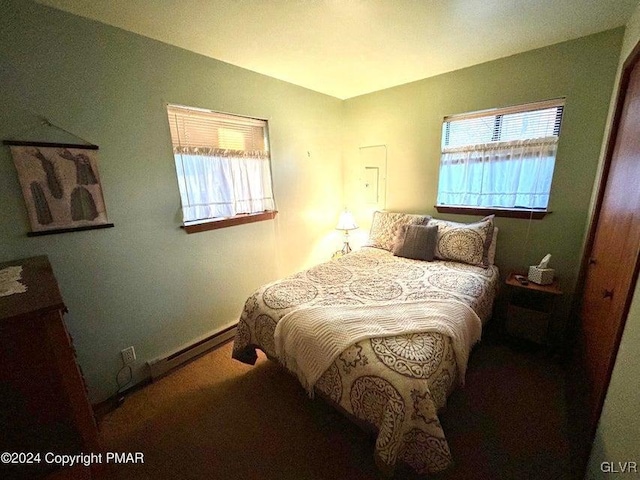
pixel 128 355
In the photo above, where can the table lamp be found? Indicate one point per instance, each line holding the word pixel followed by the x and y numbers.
pixel 346 223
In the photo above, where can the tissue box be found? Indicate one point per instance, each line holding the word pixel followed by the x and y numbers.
pixel 541 276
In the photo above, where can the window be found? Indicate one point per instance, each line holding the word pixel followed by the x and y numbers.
pixel 223 166
pixel 500 159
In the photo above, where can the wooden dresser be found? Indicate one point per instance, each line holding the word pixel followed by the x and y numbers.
pixel 43 400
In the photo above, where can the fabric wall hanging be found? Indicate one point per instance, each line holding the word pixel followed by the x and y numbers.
pixel 61 186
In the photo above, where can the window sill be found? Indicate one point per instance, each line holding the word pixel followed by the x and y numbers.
pixel 498 212
pixel 229 221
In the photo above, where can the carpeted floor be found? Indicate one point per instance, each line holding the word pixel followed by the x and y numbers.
pixel 219 419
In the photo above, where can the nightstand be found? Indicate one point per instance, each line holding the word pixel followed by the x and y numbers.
pixel 530 309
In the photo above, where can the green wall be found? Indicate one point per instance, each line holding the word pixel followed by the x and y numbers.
pixel 145 282
pixel 618 434
pixel 148 284
pixel 408 119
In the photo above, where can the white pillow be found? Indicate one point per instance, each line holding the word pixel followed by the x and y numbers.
pixel 385 226
pixel 464 242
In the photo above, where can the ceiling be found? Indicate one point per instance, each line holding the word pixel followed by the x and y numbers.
pixel 346 48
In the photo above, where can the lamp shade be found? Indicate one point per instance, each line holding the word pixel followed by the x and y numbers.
pixel 346 221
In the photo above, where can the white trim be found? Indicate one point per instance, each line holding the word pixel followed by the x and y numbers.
pixel 161 366
pixel 525 107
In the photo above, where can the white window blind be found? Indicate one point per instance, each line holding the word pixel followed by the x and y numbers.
pixel 222 162
pixel 503 125
pixel 191 127
pixel 500 158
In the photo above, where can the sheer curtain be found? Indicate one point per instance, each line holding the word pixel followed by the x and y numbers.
pixel 514 174
pixel 222 183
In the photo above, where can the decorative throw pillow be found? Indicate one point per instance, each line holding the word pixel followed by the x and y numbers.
pixel 462 242
pixel 385 225
pixel 416 241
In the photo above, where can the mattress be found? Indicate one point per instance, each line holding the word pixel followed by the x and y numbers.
pixel 394 384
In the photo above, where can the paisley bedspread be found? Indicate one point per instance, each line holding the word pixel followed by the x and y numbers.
pixel 394 384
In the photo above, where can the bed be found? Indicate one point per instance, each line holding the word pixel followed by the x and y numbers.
pixel 422 314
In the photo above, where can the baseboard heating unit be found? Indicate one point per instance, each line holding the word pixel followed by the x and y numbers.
pixel 161 366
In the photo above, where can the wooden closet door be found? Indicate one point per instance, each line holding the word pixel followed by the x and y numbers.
pixel 613 260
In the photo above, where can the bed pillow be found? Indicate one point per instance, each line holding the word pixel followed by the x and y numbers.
pixel 416 241
pixel 385 225
pixel 464 242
